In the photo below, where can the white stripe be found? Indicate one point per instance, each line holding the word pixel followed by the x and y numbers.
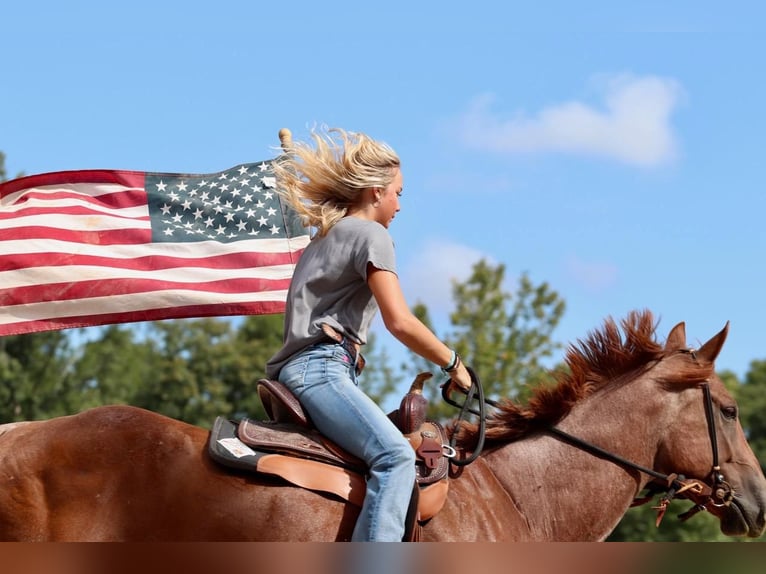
pixel 89 222
pixel 194 249
pixel 126 303
pixel 72 274
pixel 86 189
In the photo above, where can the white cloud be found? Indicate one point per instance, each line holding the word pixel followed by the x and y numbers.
pixel 428 275
pixel 596 277
pixel 633 126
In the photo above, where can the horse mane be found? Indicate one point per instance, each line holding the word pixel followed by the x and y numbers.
pixel 609 356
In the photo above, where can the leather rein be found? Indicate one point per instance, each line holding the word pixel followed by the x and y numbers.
pixel 720 493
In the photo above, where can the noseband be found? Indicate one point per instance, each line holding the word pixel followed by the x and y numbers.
pixel 719 493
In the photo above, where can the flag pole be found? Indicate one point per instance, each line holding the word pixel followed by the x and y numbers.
pixel 285 138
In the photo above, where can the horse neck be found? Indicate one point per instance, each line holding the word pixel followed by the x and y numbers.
pixel 566 493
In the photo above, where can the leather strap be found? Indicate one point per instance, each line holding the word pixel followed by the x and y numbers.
pixel 351 346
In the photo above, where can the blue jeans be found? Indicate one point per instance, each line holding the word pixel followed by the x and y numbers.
pixel 323 379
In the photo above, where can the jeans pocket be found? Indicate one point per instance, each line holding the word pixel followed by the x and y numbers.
pixel 342 358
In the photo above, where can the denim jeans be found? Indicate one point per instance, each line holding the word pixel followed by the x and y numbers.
pixel 323 379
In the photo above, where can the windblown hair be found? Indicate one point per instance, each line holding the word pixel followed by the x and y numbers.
pixel 604 358
pixel 322 182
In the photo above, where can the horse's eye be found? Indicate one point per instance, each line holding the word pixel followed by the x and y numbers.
pixel 729 412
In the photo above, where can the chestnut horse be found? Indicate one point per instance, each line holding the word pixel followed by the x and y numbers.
pixel 119 473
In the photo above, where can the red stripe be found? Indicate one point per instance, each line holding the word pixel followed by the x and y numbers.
pixel 117 200
pixel 242 260
pixel 70 210
pixel 246 308
pixel 94 176
pixel 107 287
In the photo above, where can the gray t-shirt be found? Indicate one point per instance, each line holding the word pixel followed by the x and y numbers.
pixel 329 285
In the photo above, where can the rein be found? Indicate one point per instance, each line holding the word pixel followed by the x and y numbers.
pixel 721 493
pixel 471 394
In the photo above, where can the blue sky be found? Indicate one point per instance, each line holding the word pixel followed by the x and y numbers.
pixel 614 150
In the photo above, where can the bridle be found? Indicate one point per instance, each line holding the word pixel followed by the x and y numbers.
pixel 719 493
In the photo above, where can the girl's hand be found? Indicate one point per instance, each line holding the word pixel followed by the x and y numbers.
pixel 460 377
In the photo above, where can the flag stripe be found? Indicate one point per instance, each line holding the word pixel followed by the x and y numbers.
pixel 54 199
pixel 38 318
pixel 104 237
pixel 95 247
pixel 143 263
pixel 181 250
pixel 148 302
pixel 104 288
pixel 90 177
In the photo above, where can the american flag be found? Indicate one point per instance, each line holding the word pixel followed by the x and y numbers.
pixel 84 248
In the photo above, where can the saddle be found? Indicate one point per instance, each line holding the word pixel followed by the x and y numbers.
pixel 289 446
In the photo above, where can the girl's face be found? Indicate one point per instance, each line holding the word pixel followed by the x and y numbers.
pixel 389 200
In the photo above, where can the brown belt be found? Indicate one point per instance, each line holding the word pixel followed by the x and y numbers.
pixel 351 346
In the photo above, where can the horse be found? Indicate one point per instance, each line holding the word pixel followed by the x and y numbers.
pixel 628 414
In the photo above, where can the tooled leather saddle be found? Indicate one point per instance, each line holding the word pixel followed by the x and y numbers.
pixel 289 431
pixel 288 445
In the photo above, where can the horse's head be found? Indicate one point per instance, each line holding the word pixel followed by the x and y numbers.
pixel 657 410
pixel 704 440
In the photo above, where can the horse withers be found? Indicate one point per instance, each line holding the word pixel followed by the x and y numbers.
pixel 119 473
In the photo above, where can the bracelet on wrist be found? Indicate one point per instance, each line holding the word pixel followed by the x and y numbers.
pixel 453 364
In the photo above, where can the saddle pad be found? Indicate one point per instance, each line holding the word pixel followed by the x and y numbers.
pixel 287 438
pixel 225 447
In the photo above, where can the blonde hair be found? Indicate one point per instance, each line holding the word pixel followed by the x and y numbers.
pixel 322 182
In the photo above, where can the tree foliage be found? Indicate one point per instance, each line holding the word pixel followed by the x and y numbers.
pixel 751 397
pixel 505 337
pixel 35 376
pixel 3 172
pixel 192 370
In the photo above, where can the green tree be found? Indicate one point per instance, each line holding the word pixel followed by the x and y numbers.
pixel 639 525
pixel 3 173
pixel 751 398
pixel 505 337
pixel 189 379
pixel 379 378
pixel 113 367
pixel 35 380
pixel 256 340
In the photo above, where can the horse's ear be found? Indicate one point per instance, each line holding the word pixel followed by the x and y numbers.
pixel 676 338
pixel 709 351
